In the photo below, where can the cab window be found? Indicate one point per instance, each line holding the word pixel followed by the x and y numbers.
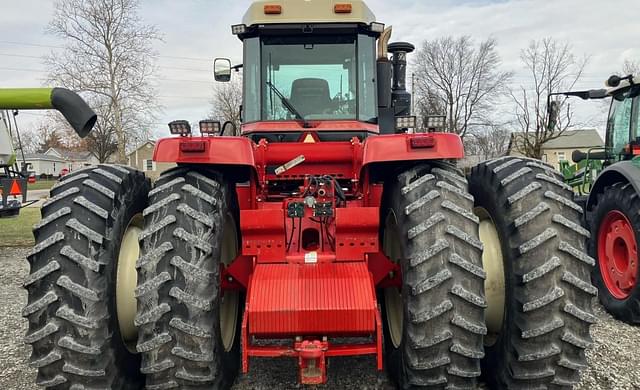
pixel 619 122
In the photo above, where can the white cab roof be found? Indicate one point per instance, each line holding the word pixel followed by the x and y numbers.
pixel 308 11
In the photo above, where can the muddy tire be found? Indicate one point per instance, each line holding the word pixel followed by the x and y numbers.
pixel 71 310
pixel 617 217
pixel 548 293
pixel 438 341
pixel 179 300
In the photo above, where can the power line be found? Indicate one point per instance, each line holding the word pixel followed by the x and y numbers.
pixel 62 47
pixel 159 66
pixel 150 77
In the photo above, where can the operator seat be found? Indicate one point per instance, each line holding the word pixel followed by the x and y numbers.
pixel 310 96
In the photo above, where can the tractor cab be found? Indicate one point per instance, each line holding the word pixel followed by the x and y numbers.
pixel 310 68
pixel 622 140
pixel 623 129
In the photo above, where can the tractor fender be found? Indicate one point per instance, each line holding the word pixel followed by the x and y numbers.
pixel 623 171
pixel 213 151
pixel 399 147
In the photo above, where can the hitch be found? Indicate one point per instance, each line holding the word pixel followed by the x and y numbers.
pixel 312 361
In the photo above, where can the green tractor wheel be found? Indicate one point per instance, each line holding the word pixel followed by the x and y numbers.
pixel 616 231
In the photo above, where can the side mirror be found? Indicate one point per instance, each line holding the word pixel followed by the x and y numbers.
pixel 222 69
pixel 613 81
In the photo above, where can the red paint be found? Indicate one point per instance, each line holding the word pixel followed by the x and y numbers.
pixel 310 277
pixel 311 299
pixel 288 126
pixel 397 147
pixel 219 151
pixel 384 272
pixel 357 231
pixel 618 254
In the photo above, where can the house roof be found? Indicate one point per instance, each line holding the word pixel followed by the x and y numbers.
pixel 40 156
pixel 576 139
pixel 69 154
pixel 587 138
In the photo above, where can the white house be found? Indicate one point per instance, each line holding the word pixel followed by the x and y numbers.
pixel 43 164
pixel 54 160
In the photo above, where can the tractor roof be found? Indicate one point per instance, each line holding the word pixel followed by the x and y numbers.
pixel 308 11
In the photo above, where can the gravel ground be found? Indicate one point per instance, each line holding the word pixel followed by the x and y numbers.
pixel 614 361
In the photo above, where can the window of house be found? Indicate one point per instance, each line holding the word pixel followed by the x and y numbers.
pixel 149 165
pixel 561 156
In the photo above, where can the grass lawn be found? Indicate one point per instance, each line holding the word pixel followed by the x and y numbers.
pixel 17 231
pixel 41 185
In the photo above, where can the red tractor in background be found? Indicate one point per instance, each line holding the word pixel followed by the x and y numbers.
pixel 327 229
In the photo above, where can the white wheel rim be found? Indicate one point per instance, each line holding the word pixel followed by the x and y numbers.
pixel 394 308
pixel 126 281
pixel 230 301
pixel 494 284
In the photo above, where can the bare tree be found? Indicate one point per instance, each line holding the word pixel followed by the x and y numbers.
pixel 552 67
pixel 463 80
pixel 487 141
pixel 101 142
pixel 631 67
pixel 226 102
pixel 108 53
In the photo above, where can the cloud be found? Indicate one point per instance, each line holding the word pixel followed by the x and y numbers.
pixel 195 32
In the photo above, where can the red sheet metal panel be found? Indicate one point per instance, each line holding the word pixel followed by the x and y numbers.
pixel 307 299
pixel 356 232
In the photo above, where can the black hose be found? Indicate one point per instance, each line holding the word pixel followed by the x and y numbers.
pixel 75 110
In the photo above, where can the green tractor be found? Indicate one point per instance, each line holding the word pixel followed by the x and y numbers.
pixel 612 206
pixel 581 176
pixel 13 178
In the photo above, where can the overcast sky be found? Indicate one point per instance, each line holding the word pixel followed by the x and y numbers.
pixel 196 31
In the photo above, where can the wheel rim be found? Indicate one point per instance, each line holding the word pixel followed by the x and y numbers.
pixel 494 283
pixel 617 254
pixel 392 296
pixel 230 300
pixel 126 281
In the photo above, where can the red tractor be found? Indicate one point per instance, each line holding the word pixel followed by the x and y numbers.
pixel 329 228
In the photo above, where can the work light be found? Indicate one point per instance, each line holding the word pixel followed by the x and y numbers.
pixel 377 27
pixel 209 126
pixel 180 127
pixel 435 122
pixel 405 122
pixel 237 29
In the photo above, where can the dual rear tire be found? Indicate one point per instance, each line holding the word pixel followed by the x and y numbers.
pixel 435 330
pixel 534 269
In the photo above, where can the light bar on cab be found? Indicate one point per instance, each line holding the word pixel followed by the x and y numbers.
pixel 180 127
